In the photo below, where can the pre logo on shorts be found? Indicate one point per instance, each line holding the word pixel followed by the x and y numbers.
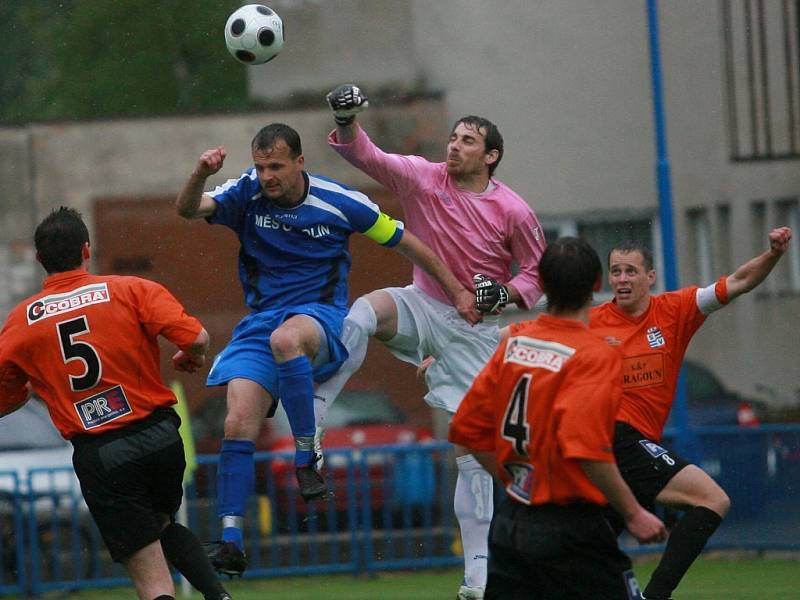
pixel 521 481
pixel 103 407
pixel 652 448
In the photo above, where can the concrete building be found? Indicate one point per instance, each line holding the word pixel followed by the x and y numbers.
pixel 569 84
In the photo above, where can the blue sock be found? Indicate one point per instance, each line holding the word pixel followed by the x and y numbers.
pixel 296 391
pixel 235 481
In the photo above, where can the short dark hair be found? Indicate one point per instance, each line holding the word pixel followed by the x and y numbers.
pixel 269 135
pixel 569 270
pixel 627 246
pixel 491 135
pixel 59 240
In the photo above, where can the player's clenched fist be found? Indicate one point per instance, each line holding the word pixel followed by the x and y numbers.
pixel 210 161
pixel 779 239
pixel 346 101
pixel 190 363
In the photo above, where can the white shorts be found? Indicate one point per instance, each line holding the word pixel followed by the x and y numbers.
pixel 427 327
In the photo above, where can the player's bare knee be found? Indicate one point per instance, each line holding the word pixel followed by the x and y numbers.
pixel 241 423
pixel 285 343
pixel 713 497
pixel 720 502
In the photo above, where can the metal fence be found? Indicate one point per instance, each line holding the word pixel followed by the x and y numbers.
pixel 391 509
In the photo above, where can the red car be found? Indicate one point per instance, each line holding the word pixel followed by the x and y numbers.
pixel 363 430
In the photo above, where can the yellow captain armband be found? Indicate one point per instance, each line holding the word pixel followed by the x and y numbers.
pixel 383 230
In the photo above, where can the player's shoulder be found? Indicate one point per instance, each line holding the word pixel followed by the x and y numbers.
pixel 246 186
pixel 126 283
pixel 602 312
pixel 675 299
pixel 511 200
pixel 335 192
pixel 321 184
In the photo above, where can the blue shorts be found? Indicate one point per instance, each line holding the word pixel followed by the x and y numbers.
pixel 248 355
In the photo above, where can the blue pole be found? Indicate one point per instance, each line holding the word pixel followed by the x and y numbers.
pixel 680 410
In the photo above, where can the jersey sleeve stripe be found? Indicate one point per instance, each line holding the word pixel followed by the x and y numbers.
pixel 224 187
pixel 330 186
pixel 317 202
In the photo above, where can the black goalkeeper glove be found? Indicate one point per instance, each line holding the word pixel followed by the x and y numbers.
pixel 346 101
pixel 490 297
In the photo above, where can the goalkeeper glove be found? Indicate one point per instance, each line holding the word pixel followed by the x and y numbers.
pixel 490 297
pixel 346 101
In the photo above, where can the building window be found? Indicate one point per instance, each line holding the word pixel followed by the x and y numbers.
pixel 758 214
pixel 604 231
pixel 788 214
pixel 760 42
pixel 723 238
pixel 701 245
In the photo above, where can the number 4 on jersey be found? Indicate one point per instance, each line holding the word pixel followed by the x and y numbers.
pixel 515 427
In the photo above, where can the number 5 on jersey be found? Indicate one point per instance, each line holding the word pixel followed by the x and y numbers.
pixel 83 351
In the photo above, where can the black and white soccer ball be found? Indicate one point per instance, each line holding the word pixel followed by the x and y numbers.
pixel 254 34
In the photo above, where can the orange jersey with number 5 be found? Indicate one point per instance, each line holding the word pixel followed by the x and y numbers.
pixel 545 400
pixel 88 345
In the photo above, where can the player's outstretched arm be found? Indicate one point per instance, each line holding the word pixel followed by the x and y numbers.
pixel 643 525
pixel 346 101
pixel 754 271
pixel 193 357
pixel 421 255
pixel 192 203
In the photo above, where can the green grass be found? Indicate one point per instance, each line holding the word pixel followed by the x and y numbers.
pixel 709 579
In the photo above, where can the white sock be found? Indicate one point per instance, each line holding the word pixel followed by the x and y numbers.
pixel 359 325
pixel 473 502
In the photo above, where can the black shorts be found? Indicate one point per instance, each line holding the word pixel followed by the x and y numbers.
pixel 645 465
pixel 552 552
pixel 130 475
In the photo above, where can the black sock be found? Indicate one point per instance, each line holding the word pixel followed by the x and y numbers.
pixel 686 541
pixel 185 552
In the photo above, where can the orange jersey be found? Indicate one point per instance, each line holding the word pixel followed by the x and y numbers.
pixel 88 345
pixel 653 346
pixel 544 401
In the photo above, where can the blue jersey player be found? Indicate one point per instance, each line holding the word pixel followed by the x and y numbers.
pixel 293 227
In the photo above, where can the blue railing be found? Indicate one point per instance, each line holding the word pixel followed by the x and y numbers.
pixel 391 509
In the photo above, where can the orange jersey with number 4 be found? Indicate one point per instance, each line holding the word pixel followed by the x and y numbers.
pixel 653 346
pixel 88 345
pixel 545 400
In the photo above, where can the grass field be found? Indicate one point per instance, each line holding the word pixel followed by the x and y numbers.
pixel 709 579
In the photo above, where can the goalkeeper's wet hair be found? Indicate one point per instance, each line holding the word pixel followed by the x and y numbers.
pixel 491 135
pixel 59 240
pixel 569 270
pixel 272 133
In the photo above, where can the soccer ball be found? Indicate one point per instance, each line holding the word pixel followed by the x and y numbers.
pixel 254 34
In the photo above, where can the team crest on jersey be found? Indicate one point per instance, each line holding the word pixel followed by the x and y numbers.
pixel 655 338
pixel 102 408
pixel 531 352
pixel 521 480
pixel 58 304
pixel 652 448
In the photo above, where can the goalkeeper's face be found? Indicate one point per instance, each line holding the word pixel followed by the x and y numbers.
pixel 280 174
pixel 466 152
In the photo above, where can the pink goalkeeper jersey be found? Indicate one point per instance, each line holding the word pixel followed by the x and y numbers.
pixel 472 233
